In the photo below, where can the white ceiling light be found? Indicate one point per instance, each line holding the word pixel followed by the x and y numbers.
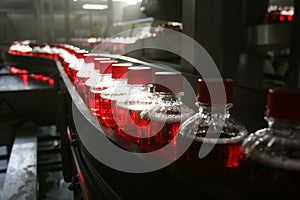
pixel 94 6
pixel 129 2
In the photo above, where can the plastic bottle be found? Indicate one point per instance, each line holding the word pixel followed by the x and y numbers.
pixel 109 96
pixel 273 153
pixel 104 67
pixel 215 153
pixel 165 115
pixel 77 63
pixel 82 76
pixel 127 111
pixel 94 78
pixel 74 58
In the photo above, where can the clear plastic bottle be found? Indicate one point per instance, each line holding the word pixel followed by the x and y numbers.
pixel 165 115
pixel 82 76
pixel 216 134
pixel 273 153
pixel 94 78
pixel 127 111
pixel 85 72
pixel 109 96
pixel 105 81
pixel 76 64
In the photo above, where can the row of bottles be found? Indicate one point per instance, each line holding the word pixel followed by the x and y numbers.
pixel 265 163
pixel 147 108
pixel 27 48
pixel 279 14
pixel 124 97
pixel 26 76
pixel 151 114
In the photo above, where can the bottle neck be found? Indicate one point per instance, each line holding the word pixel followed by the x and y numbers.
pixel 105 77
pixel 283 126
pixel 119 82
pixel 140 87
pixel 168 97
pixel 216 111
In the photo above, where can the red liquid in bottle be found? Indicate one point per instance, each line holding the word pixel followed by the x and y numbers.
pixel 220 167
pixel 129 124
pixel 163 133
pixel 110 96
pixel 91 82
pixel 272 170
pixel 164 122
pixel 95 101
pixel 106 112
pixel 80 86
pixel 103 82
pixel 123 126
pixel 165 114
pixel 269 182
pixel 95 93
pixel 129 107
pixel 67 68
pixel 141 125
pixel 159 133
pixel 222 151
pixel 136 118
pixel 82 77
pixel 86 95
pixel 73 73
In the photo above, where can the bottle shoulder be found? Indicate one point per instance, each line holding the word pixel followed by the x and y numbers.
pixel 137 100
pixel 114 92
pixel 169 111
pixel 274 148
pixel 221 130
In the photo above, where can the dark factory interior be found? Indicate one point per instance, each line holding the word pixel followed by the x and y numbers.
pixel 149 99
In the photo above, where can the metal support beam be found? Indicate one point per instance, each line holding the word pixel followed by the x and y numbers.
pixel 188 19
pixel 12 26
pixel 3 25
pixel 51 21
pixel 216 26
pixel 39 20
pixel 110 14
pixel 67 21
pixel 293 76
pixel 42 24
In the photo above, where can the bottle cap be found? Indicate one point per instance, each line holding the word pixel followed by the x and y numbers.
pixel 104 66
pixel 80 53
pixel 96 61
pixel 168 82
pixel 139 75
pixel 89 58
pixel 120 70
pixel 204 97
pixel 283 103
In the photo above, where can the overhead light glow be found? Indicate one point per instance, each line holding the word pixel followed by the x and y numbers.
pixel 94 6
pixel 129 2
